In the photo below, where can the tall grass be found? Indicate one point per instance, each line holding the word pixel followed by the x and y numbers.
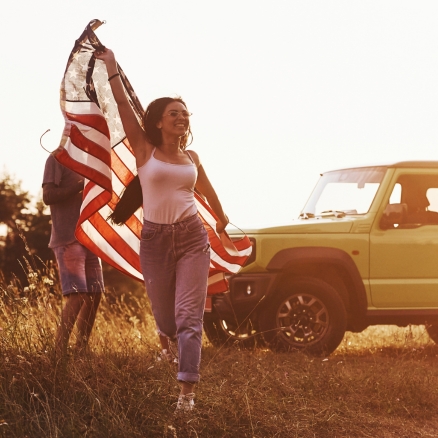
pixel 380 383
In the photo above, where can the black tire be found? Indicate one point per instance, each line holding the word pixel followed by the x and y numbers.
pixel 224 333
pixel 432 331
pixel 308 315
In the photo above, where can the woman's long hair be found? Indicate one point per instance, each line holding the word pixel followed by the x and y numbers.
pixel 132 197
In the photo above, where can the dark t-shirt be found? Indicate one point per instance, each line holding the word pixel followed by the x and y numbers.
pixel 65 214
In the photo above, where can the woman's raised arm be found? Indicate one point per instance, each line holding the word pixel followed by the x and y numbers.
pixel 136 135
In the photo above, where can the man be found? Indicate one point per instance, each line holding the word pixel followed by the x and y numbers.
pixel 79 269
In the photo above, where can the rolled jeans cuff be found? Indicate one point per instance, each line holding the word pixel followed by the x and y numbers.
pixel 188 377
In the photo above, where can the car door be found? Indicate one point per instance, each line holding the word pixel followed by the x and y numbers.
pixel 404 258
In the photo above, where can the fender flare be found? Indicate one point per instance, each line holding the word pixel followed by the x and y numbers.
pixel 312 255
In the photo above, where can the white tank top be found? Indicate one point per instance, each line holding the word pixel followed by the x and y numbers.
pixel 167 190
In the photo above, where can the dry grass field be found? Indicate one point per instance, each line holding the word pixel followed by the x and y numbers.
pixel 379 383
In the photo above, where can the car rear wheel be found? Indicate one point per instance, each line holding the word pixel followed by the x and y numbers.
pixel 308 315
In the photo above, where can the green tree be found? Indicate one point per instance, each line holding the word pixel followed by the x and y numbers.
pixel 13 201
pixel 25 231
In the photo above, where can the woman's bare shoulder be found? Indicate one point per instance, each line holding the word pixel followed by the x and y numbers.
pixel 195 157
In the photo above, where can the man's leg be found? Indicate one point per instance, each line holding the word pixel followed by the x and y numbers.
pixel 86 318
pixel 78 277
pixel 87 315
pixel 72 307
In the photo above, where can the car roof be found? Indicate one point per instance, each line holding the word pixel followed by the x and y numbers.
pixel 399 164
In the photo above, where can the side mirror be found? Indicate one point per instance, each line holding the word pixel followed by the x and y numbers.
pixel 394 214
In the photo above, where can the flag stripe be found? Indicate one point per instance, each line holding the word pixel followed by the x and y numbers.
pixel 130 237
pixel 120 169
pixel 65 157
pixel 83 235
pixel 89 147
pixel 118 244
pixel 95 121
pixel 93 205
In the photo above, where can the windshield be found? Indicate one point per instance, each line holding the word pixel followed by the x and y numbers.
pixel 348 191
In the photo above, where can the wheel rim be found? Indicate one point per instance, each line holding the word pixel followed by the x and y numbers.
pixel 242 332
pixel 303 320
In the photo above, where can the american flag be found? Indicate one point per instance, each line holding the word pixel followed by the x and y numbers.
pixel 94 145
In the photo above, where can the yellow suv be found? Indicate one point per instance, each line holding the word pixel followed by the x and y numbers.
pixel 363 251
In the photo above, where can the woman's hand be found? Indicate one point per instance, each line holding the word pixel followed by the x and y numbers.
pixel 220 225
pixel 106 55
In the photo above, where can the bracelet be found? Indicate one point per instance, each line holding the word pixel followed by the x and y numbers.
pixel 113 76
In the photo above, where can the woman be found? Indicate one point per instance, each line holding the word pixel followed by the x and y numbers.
pixel 174 248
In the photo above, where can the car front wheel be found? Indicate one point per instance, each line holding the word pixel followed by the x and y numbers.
pixel 306 315
pixel 226 333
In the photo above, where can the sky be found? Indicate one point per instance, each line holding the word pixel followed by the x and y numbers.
pixel 280 90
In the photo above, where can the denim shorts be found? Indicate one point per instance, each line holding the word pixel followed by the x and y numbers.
pixel 80 270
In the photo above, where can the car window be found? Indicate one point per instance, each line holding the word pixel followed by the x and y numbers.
pixel 432 196
pixel 395 197
pixel 419 195
pixel 350 191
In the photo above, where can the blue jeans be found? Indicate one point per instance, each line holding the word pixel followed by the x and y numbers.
pixel 175 261
pixel 79 269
